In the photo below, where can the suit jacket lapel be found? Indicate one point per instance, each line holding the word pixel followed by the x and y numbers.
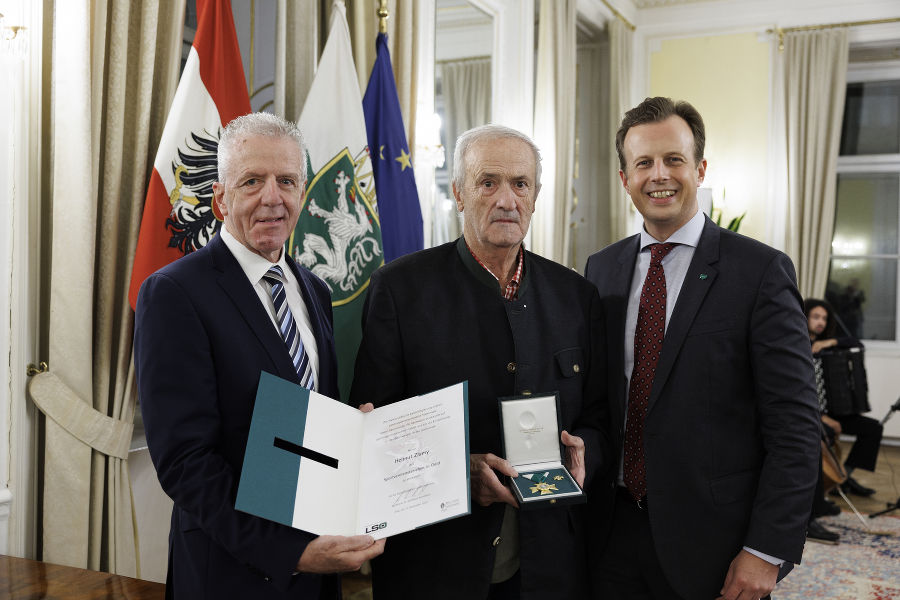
pixel 234 282
pixel 700 276
pixel 616 314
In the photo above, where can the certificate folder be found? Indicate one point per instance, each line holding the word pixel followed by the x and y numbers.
pixel 531 441
pixel 324 467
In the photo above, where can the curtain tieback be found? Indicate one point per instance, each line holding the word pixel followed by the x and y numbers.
pixel 57 400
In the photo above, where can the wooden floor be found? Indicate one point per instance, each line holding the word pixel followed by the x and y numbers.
pixel 885 480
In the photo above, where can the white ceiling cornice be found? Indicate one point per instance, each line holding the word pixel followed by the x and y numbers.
pixel 459 14
pixel 644 4
pixel 677 18
pixel 597 13
pixel 592 13
pixel 696 17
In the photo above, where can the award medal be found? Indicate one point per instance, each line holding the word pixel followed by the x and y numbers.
pixel 540 484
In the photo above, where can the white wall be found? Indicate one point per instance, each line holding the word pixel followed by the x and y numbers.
pixel 884 387
pixel 20 97
pixel 8 91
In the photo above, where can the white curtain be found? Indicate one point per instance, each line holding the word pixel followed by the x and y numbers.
pixel 466 89
pixel 113 74
pixel 554 127
pixel 815 82
pixel 621 51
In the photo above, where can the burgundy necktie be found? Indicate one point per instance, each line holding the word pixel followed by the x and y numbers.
pixel 648 339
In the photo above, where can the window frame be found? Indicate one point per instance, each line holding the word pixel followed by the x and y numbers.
pixel 861 72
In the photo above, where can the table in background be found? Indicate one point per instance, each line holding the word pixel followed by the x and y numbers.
pixel 23 579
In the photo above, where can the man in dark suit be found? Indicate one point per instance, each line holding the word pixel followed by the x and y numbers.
pixel 485 310
pixel 711 388
pixel 205 327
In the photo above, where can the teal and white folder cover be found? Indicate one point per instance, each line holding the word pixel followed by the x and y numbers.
pixel 321 466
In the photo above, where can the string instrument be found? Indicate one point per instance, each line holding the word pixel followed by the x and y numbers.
pixel 832 465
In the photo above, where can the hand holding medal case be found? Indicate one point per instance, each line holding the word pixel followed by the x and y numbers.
pixel 530 427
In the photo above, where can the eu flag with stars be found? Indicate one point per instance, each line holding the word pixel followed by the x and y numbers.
pixel 395 184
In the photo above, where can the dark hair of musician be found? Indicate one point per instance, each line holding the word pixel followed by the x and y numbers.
pixel 830 323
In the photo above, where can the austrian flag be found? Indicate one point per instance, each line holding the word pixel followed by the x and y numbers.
pixel 179 215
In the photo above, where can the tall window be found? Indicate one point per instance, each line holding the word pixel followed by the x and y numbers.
pixel 865 250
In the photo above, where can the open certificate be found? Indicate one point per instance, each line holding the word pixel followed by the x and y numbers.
pixel 321 466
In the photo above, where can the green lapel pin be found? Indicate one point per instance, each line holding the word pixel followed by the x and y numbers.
pixel 703 275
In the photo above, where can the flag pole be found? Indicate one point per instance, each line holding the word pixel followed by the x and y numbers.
pixel 382 13
pixel 399 212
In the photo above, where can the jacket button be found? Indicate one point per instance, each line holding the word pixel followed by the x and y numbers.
pixel 496 542
pixel 511 367
pixel 576 368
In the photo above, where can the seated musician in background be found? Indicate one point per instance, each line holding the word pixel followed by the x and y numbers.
pixel 864 453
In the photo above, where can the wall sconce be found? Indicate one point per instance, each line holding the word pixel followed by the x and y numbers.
pixel 9 32
pixel 12 38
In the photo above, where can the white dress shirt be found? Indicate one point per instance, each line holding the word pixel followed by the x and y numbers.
pixel 675 266
pixel 254 267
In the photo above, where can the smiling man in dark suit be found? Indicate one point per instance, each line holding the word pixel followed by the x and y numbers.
pixel 485 310
pixel 205 327
pixel 711 387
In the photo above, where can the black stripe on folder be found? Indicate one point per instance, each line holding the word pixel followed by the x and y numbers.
pixel 306 453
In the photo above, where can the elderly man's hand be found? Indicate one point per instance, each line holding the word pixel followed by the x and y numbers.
pixel 338 553
pixel 486 486
pixel 574 456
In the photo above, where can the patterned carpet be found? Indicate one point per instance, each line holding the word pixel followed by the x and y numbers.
pixel 864 566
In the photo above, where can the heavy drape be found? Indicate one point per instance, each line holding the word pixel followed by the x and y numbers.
pixel 590 231
pixel 621 50
pixel 466 89
pixel 298 40
pixel 815 82
pixel 114 71
pixel 554 127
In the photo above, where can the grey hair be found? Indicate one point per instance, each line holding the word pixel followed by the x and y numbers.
pixel 260 123
pixel 486 133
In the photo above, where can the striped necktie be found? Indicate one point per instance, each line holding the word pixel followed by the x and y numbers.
pixel 288 327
